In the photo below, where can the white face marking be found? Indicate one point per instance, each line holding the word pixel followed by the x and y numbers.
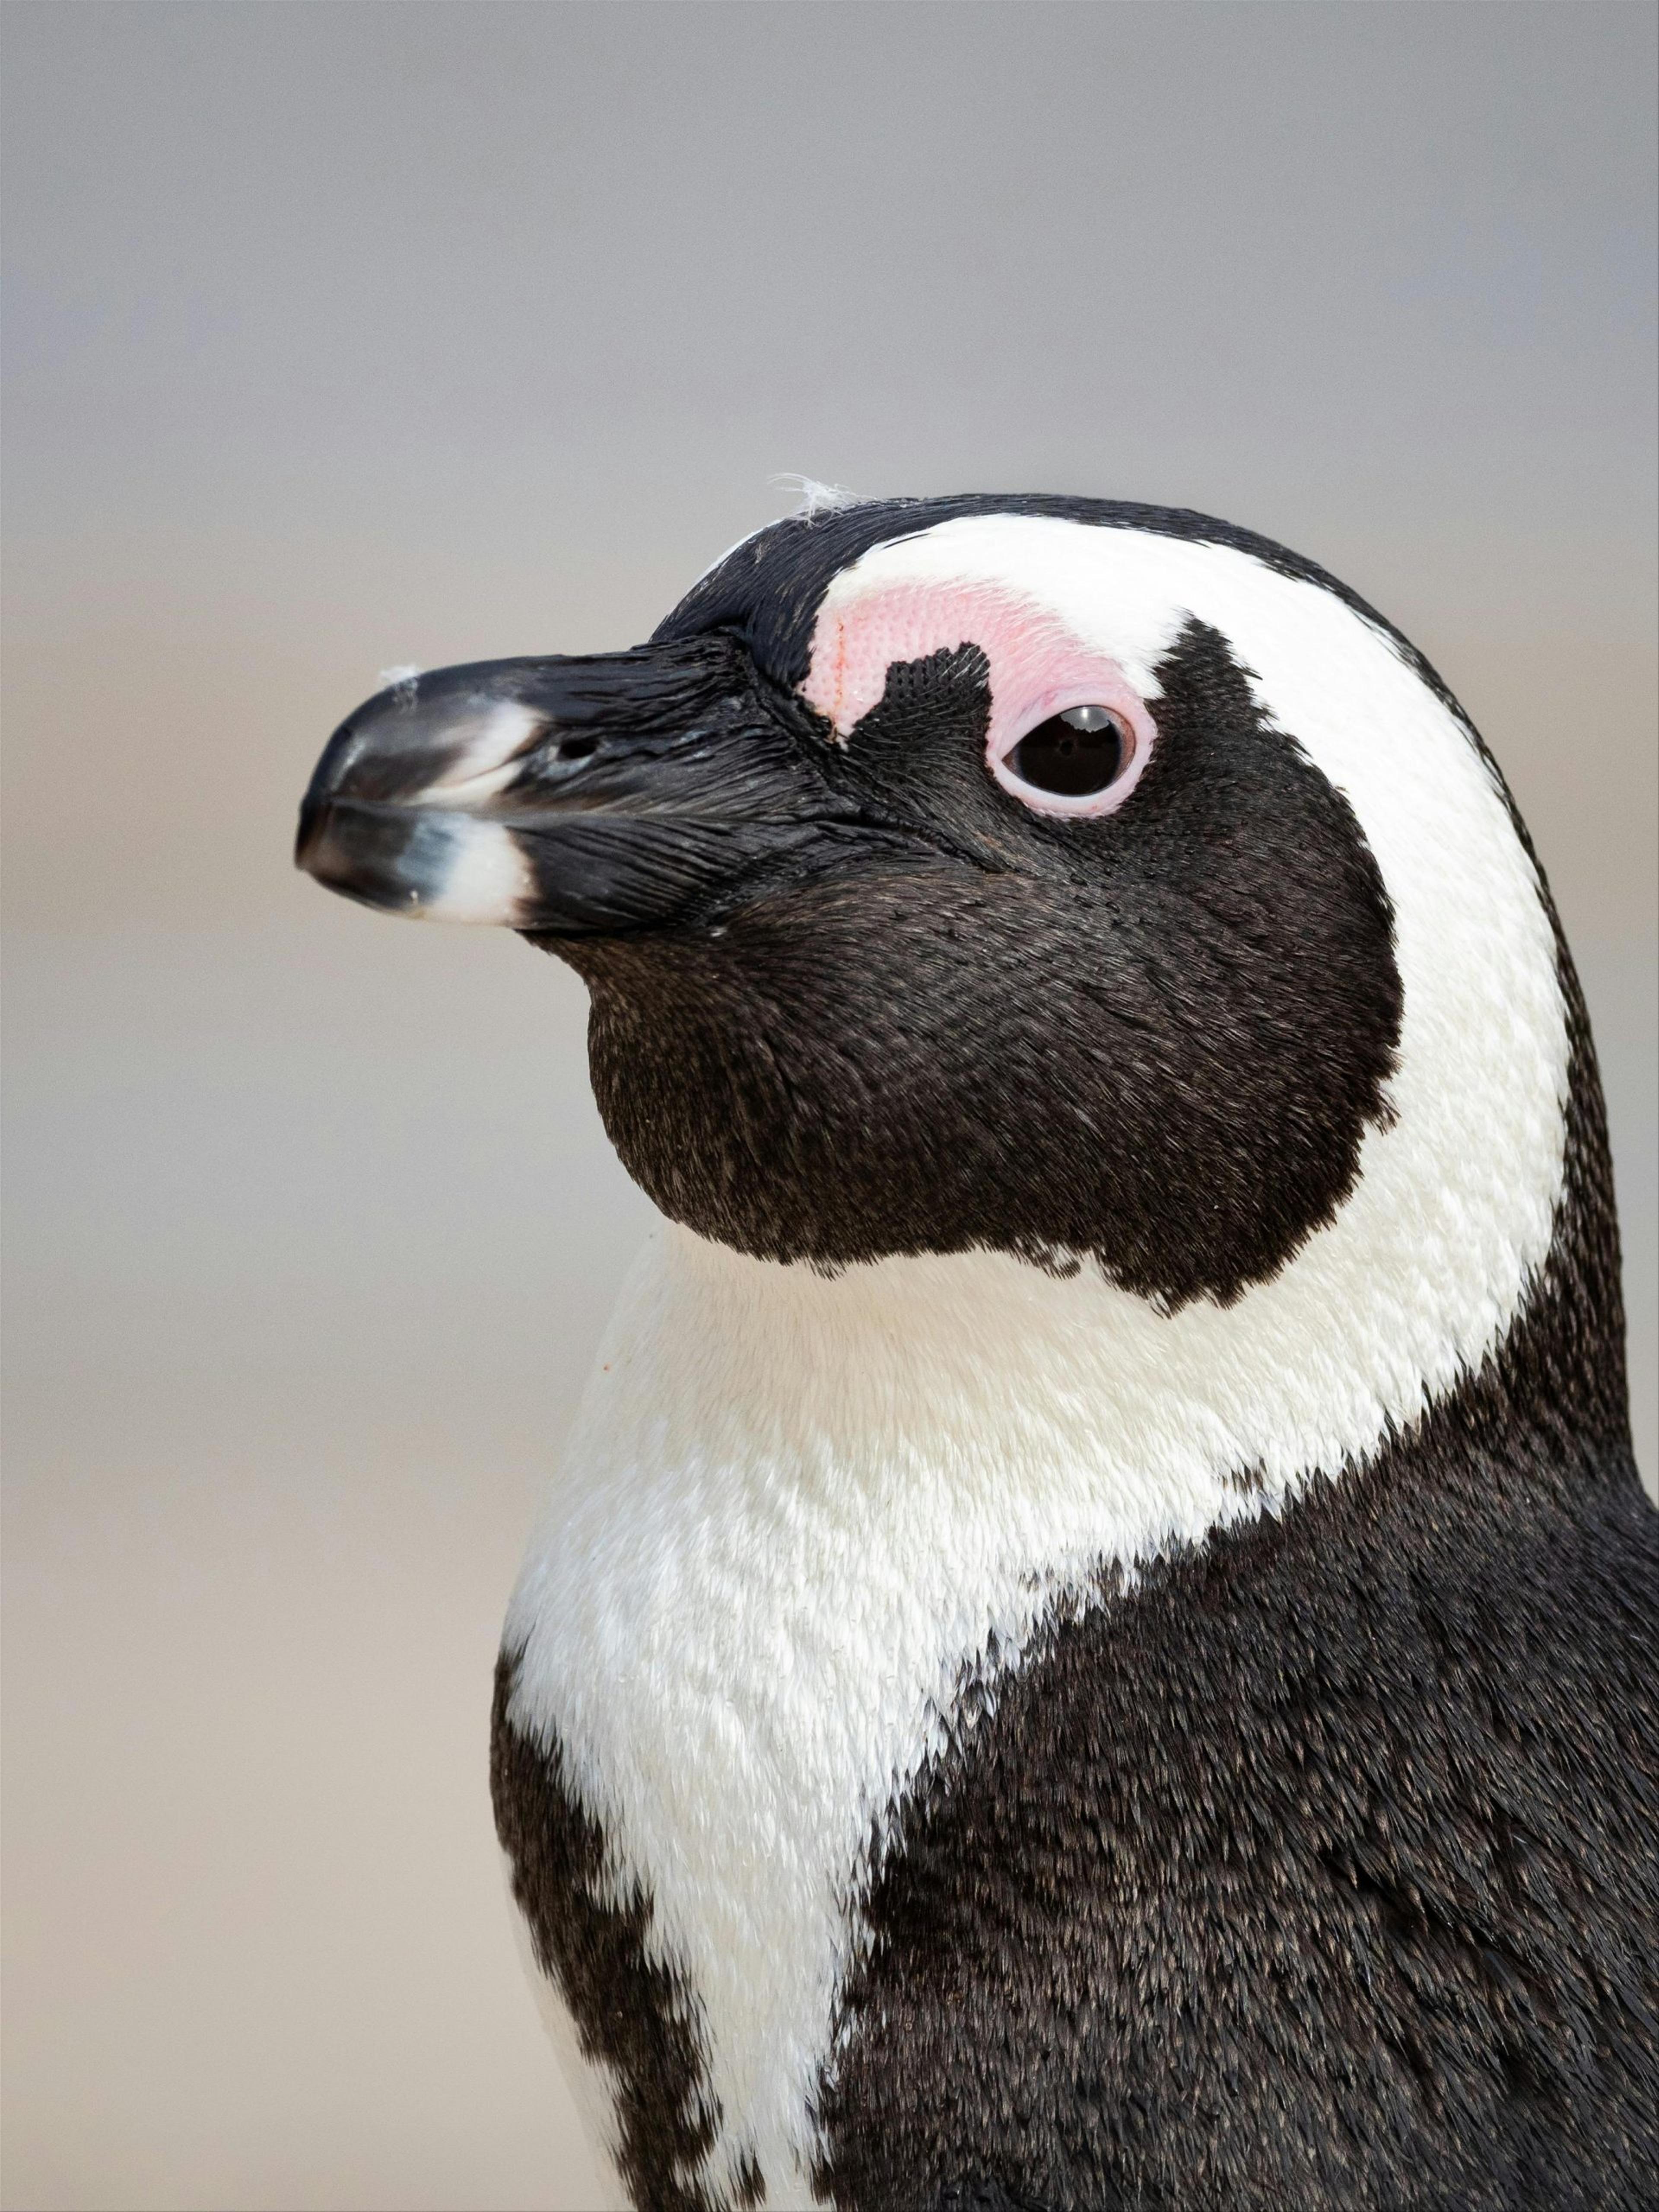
pixel 796 1506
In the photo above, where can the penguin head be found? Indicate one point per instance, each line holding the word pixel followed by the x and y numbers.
pixel 1092 884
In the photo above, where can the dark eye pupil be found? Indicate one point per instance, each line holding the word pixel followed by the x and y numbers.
pixel 1072 754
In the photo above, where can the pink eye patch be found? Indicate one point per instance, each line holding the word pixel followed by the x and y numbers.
pixel 1069 735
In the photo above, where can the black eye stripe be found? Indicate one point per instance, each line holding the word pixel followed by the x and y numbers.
pixel 1073 755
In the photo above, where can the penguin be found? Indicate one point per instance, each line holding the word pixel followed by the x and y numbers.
pixel 1095 1644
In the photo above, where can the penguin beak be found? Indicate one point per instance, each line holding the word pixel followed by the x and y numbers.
pixel 577 797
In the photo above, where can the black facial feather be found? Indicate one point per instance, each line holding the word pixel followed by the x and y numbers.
pixel 1029 1038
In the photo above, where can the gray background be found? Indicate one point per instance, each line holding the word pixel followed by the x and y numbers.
pixel 348 335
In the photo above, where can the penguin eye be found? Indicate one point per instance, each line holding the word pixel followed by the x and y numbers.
pixel 1075 754
pixel 1077 762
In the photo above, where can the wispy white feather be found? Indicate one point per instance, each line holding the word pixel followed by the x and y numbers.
pixel 816 498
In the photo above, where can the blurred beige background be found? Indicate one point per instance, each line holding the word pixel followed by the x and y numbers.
pixel 348 335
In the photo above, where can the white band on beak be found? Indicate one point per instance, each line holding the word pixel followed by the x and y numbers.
pixel 488 878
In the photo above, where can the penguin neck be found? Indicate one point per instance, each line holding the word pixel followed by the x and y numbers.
pixel 1065 1423
pixel 1001 1433
pixel 920 1394
pixel 976 1435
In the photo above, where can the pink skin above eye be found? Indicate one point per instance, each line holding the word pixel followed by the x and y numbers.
pixel 1038 669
